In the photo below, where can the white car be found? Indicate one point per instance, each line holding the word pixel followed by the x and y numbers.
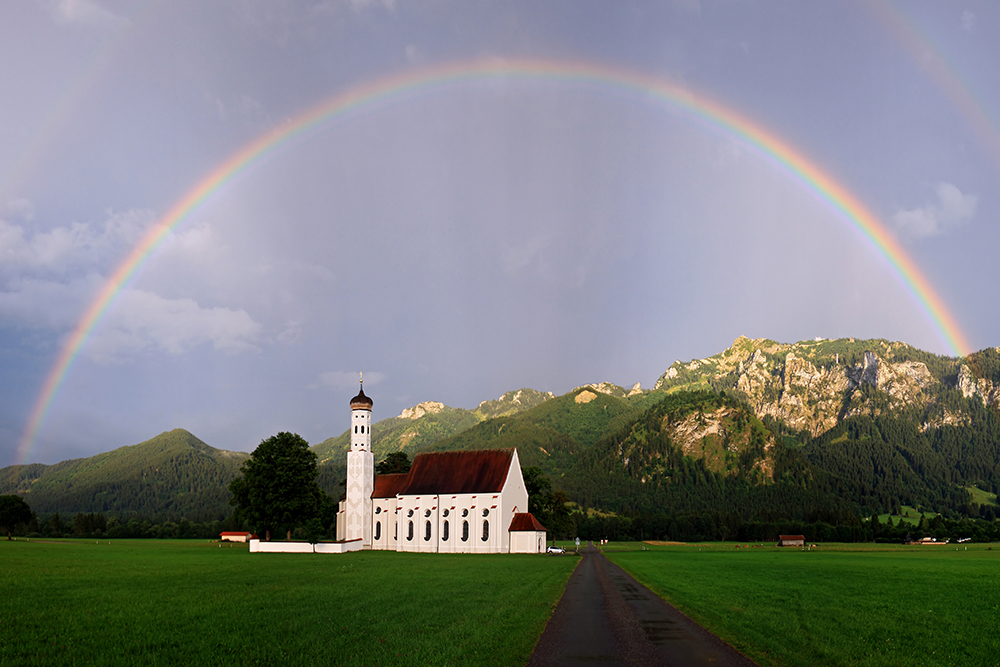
pixel 555 550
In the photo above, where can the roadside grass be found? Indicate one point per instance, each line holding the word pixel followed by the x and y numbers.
pixel 841 604
pixel 154 602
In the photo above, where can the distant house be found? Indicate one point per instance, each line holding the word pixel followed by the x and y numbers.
pixel 791 540
pixel 925 541
pixel 230 536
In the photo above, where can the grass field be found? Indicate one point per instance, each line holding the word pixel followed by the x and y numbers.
pixel 982 497
pixel 152 602
pixel 838 605
pixel 910 515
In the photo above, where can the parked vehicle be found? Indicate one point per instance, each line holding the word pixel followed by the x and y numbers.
pixel 555 550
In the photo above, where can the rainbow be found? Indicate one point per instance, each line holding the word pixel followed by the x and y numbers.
pixel 930 59
pixel 697 106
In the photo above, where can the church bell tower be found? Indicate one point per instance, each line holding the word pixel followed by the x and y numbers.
pixel 360 471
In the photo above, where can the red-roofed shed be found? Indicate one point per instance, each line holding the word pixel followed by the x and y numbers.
pixel 235 536
pixel 527 535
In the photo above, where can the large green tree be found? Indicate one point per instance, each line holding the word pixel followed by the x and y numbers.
pixel 277 489
pixel 13 510
pixel 394 462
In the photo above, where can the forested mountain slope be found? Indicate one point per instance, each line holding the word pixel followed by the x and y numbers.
pixel 763 429
pixel 426 423
pixel 173 475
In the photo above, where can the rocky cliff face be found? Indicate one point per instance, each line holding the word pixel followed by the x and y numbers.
pixel 982 387
pixel 421 409
pixel 812 385
pixel 717 437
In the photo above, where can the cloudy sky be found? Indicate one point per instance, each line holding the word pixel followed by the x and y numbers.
pixel 462 240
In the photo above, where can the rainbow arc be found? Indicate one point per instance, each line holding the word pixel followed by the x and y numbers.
pixel 699 107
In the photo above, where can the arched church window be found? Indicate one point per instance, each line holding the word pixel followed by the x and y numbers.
pixel 465 531
pixel 378 530
pixel 355 428
pixel 486 530
pixel 427 531
pixel 395 532
pixel 362 428
pixel 444 531
pixel 409 532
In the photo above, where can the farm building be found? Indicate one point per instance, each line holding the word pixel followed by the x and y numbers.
pixel 449 502
pixel 791 540
pixel 235 536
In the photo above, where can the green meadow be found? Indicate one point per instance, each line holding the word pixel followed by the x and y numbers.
pixel 846 604
pixel 151 602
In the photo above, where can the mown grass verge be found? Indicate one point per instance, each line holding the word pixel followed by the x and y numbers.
pixel 838 605
pixel 149 602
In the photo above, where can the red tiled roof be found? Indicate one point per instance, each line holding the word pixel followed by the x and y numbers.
pixel 784 538
pixel 387 486
pixel 477 471
pixel 231 532
pixel 525 521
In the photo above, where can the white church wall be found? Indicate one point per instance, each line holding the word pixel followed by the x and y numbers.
pixel 383 523
pixel 409 523
pixel 515 499
pixel 527 542
pixel 342 520
pixel 451 513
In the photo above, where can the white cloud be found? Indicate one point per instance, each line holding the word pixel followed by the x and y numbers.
pixel 22 209
pixel 968 21
pixel 692 7
pixel 46 304
pixel 83 12
pixel 77 249
pixel 516 258
pixel 347 379
pixel 140 320
pixel 951 210
pixel 359 5
pixel 48 278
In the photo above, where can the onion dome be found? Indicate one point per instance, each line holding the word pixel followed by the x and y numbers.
pixel 361 402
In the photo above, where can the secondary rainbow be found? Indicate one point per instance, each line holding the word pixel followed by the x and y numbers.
pixel 695 105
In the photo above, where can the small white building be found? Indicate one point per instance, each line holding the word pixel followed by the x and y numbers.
pixel 449 502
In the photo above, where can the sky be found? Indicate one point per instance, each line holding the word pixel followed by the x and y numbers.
pixel 457 238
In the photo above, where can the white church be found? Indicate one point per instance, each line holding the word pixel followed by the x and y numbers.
pixel 449 502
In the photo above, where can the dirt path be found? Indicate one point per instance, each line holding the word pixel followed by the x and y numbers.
pixel 605 617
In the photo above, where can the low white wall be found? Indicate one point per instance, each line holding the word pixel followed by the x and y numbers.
pixel 305 547
pixel 338 547
pixel 281 547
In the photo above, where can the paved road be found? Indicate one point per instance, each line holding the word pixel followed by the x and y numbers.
pixel 606 617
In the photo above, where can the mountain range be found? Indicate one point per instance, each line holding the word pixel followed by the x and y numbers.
pixel 760 428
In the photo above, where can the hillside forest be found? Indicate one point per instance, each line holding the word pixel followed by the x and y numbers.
pixel 835 440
